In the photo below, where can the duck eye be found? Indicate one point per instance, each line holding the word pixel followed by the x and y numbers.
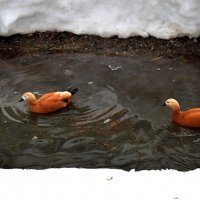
pixel 167 101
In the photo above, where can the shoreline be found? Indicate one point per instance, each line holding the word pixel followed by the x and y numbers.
pixel 65 42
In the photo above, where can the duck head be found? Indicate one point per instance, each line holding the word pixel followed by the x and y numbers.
pixel 28 96
pixel 172 103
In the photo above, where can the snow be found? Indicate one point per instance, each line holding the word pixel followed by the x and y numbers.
pixel 162 19
pixel 100 184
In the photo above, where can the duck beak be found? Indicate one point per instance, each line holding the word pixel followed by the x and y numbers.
pixel 21 100
pixel 164 104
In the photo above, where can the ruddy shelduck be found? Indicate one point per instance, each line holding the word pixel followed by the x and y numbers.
pixel 49 102
pixel 189 118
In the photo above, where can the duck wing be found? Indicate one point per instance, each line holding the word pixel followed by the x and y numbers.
pixel 55 96
pixel 52 101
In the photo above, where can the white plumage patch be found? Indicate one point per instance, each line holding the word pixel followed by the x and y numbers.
pixel 63 93
pixel 58 93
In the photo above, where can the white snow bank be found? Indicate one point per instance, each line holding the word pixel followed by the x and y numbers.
pixel 77 184
pixel 160 18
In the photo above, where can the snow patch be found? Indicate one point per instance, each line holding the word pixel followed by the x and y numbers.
pixel 162 19
pixel 90 184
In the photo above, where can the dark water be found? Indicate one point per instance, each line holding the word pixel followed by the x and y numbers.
pixel 116 120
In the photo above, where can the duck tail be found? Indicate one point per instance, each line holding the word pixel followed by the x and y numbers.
pixel 72 91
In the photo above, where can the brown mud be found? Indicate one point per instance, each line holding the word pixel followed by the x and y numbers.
pixel 58 42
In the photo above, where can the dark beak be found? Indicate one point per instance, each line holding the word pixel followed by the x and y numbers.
pixel 164 104
pixel 21 100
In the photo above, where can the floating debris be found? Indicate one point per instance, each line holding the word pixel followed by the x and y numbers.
pixel 69 73
pixel 113 68
pixel 106 121
pixel 34 137
pixel 158 58
pixel 90 83
pixel 158 69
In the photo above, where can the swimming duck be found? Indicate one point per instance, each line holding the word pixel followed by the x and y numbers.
pixel 49 102
pixel 189 118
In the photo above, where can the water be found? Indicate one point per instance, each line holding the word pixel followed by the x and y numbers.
pixel 116 120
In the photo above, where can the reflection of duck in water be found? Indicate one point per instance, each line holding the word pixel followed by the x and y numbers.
pixel 189 118
pixel 49 102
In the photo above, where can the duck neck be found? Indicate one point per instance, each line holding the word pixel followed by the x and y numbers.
pixel 32 100
pixel 175 112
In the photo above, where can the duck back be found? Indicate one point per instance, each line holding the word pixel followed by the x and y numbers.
pixel 190 118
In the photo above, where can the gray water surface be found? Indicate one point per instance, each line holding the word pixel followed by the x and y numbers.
pixel 116 120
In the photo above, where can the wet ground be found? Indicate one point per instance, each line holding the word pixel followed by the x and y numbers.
pixel 64 42
pixel 116 120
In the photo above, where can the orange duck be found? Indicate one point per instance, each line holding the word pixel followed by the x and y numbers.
pixel 49 102
pixel 189 118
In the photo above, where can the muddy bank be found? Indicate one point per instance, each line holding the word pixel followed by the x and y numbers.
pixel 53 42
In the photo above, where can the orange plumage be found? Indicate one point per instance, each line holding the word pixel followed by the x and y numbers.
pixel 49 102
pixel 189 118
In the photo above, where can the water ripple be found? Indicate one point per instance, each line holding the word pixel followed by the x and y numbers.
pixel 115 121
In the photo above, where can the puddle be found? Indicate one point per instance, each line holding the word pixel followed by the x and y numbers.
pixel 116 120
